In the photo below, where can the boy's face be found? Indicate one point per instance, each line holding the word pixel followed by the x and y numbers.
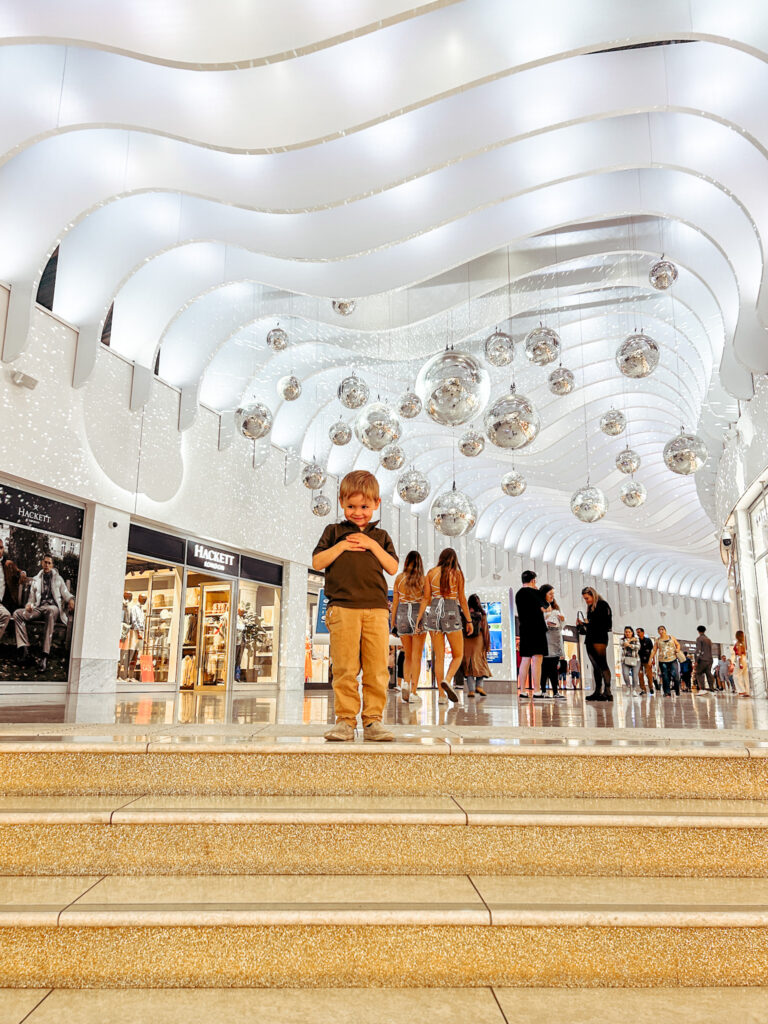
pixel 359 510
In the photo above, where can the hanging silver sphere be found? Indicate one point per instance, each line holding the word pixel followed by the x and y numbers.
pixel 628 461
pixel 471 443
pixel 662 275
pixel 340 433
pixel 289 388
pixel 561 381
pixel 344 307
pixel 277 339
pixel 613 422
pixel 542 345
pixel 499 349
pixel 413 487
pixel 377 426
pixel 454 387
pixel 637 356
pixel 589 504
pixel 313 476
pixel 453 513
pixel 512 422
pixel 685 454
pixel 321 506
pixel 632 493
pixel 513 483
pixel 392 457
pixel 409 405
pixel 254 421
pixel 353 392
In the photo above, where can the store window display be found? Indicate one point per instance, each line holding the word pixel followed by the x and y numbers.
pixel 257 633
pixel 205 650
pixel 149 631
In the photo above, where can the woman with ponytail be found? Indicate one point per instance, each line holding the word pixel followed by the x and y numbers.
pixel 441 606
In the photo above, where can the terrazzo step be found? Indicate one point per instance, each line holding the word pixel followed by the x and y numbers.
pixel 344 931
pixel 166 835
pixel 425 765
pixel 377 1006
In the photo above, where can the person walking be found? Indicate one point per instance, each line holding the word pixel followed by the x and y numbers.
pixel 477 643
pixel 406 602
pixel 599 623
pixel 574 672
pixel 646 666
pixel 554 619
pixel 740 667
pixel 703 658
pixel 665 650
pixel 440 611
pixel 630 660
pixel 529 605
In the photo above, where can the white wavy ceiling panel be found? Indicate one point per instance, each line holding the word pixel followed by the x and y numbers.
pixel 482 163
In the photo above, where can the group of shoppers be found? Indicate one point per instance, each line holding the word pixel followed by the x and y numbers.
pixel 435 602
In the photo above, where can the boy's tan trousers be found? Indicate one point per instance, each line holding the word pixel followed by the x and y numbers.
pixel 359 638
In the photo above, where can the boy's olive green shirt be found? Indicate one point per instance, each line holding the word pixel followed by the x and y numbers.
pixel 356 578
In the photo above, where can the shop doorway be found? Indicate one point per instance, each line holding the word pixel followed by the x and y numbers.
pixel 205 650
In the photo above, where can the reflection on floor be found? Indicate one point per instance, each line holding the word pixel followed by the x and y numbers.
pixel 269 706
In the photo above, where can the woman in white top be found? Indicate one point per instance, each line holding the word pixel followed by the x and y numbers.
pixel 406 601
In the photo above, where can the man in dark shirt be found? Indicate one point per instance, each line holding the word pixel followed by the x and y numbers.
pixel 529 605
pixel 355 555
pixel 704 660
pixel 644 653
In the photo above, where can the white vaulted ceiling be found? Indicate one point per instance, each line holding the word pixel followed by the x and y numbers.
pixel 208 170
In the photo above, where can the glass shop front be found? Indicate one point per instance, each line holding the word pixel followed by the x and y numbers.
pixel 196 615
pixel 758 522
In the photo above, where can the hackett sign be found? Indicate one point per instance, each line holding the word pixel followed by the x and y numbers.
pixel 203 556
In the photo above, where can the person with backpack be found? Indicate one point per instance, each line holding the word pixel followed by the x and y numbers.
pixel 477 643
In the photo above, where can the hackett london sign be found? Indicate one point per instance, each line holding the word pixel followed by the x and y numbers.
pixel 40 513
pixel 203 556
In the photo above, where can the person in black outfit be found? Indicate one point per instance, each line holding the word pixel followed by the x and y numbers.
pixel 646 669
pixel 532 630
pixel 599 625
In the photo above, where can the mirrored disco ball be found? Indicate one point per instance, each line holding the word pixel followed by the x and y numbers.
pixel 632 493
pixel 344 307
pixel 613 422
pixel 561 381
pixel 321 506
pixel 685 454
pixel 542 345
pixel 512 422
pixel 413 487
pixel 628 461
pixel 313 476
pixel 340 433
pixel 453 513
pixel 289 388
pixel 499 349
pixel 513 483
pixel 662 275
pixel 454 387
pixel 637 356
pixel 589 504
pixel 392 457
pixel 471 443
pixel 409 405
pixel 353 392
pixel 254 421
pixel 377 426
pixel 277 339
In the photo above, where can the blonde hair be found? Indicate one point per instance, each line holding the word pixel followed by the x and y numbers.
pixel 359 481
pixel 591 590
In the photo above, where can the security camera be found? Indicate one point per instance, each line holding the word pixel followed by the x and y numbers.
pixel 112 525
pixel 727 538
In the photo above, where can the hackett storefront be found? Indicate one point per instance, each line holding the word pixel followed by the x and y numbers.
pixel 197 616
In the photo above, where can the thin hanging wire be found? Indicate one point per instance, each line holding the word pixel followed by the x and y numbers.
pixel 584 390
pixel 677 356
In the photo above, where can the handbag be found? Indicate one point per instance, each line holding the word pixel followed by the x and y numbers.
pixel 631 660
pixel 581 624
pixel 681 656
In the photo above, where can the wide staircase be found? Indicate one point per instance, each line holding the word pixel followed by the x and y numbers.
pixel 521 878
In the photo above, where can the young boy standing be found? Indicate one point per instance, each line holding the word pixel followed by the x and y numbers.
pixel 355 554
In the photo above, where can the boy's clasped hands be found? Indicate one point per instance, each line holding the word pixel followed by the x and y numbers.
pixel 358 542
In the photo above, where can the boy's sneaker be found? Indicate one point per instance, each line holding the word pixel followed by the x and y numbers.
pixel 450 692
pixel 377 732
pixel 405 694
pixel 415 698
pixel 340 732
pixel 442 700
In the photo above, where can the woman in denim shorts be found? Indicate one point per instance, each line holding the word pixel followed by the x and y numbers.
pixel 441 607
pixel 406 601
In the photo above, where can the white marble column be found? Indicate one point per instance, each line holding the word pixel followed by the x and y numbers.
pixel 749 606
pixel 99 601
pixel 293 623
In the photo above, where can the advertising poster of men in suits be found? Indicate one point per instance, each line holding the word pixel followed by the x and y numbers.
pixel 40 542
